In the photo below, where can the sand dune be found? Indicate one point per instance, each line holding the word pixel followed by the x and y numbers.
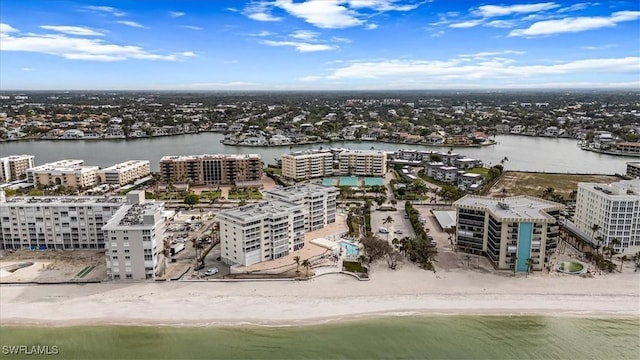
pixel 332 297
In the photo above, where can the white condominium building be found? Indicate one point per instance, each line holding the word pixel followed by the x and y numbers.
pixel 318 202
pixel 303 165
pixel 124 173
pixel 64 223
pixel 134 239
pixel 633 169
pixel 362 162
pixel 261 232
pixel 70 173
pixel 514 233
pixel 615 208
pixel 15 166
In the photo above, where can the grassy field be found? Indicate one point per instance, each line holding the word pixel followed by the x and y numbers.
pixel 524 183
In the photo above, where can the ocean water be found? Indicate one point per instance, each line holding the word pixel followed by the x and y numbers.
pixel 442 337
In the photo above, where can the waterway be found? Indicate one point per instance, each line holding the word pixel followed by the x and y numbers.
pixel 524 153
pixel 444 337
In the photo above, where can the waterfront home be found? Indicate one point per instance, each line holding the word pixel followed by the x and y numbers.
pixel 72 134
pixel 278 139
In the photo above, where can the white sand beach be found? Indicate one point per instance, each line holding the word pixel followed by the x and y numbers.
pixel 327 298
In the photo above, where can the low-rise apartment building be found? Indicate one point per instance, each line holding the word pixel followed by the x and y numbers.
pixel 318 203
pixel 362 162
pixel 615 209
pixel 14 167
pixel 71 173
pixel 303 165
pixel 124 173
pixel 514 233
pixel 134 239
pixel 633 169
pixel 63 223
pixel 220 169
pixel 261 232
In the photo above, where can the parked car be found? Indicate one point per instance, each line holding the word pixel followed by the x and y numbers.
pixel 211 271
pixel 198 267
pixel 398 231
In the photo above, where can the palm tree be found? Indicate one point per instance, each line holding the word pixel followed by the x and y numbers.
pixel 622 260
pixel 166 250
pixel 600 240
pixel 594 229
pixel 306 264
pixel 515 264
pixel 612 244
pixel 197 245
pixel 529 265
pixel 297 260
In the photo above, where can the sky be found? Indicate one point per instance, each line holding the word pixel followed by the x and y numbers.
pixel 318 45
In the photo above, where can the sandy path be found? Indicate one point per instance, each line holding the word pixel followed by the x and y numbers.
pixel 409 290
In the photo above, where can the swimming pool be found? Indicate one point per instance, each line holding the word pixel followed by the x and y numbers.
pixel 352 249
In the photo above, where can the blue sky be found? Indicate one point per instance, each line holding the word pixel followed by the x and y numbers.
pixel 318 44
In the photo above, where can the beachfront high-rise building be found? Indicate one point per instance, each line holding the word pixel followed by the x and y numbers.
pixel 64 223
pixel 303 165
pixel 71 173
pixel 134 239
pixel 124 173
pixel 14 167
pixel 615 209
pixel 509 231
pixel 362 162
pixel 261 232
pixel 220 169
pixel 318 202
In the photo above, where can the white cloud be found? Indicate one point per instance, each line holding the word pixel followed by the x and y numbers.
pixel 497 69
pixel 371 26
pixel 304 35
pixel 176 14
pixel 191 27
pixel 27 69
pixel 328 14
pixel 311 78
pixel 262 33
pixel 259 11
pixel 575 24
pixel 600 47
pixel 503 24
pixel 488 11
pixel 130 23
pixel 106 9
pixel 72 30
pixel 340 40
pixel 492 53
pixel 466 24
pixel 300 46
pixel 576 7
pixel 76 48
pixel 6 29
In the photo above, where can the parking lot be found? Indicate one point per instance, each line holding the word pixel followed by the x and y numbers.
pixel 398 228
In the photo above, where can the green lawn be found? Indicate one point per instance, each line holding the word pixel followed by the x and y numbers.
pixel 482 171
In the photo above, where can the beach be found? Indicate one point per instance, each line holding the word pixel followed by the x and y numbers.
pixel 329 298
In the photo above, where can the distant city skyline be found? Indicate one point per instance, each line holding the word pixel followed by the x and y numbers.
pixel 318 45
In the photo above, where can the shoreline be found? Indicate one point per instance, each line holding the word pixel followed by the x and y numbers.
pixel 323 300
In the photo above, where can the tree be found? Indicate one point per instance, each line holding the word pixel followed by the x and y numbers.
pixel 612 245
pixel 166 251
pixel 622 260
pixel 388 220
pixel 197 245
pixel 297 260
pixel 529 266
pixel 594 229
pixel 515 264
pixel 636 261
pixel 307 265
pixel 191 199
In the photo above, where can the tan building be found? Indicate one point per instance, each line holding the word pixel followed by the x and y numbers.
pixel 124 173
pixel 362 162
pixel 14 167
pixel 303 165
pixel 220 169
pixel 70 173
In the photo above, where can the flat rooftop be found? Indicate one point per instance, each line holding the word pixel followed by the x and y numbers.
pixel 514 208
pixel 269 208
pixel 298 191
pixel 65 200
pixel 208 156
